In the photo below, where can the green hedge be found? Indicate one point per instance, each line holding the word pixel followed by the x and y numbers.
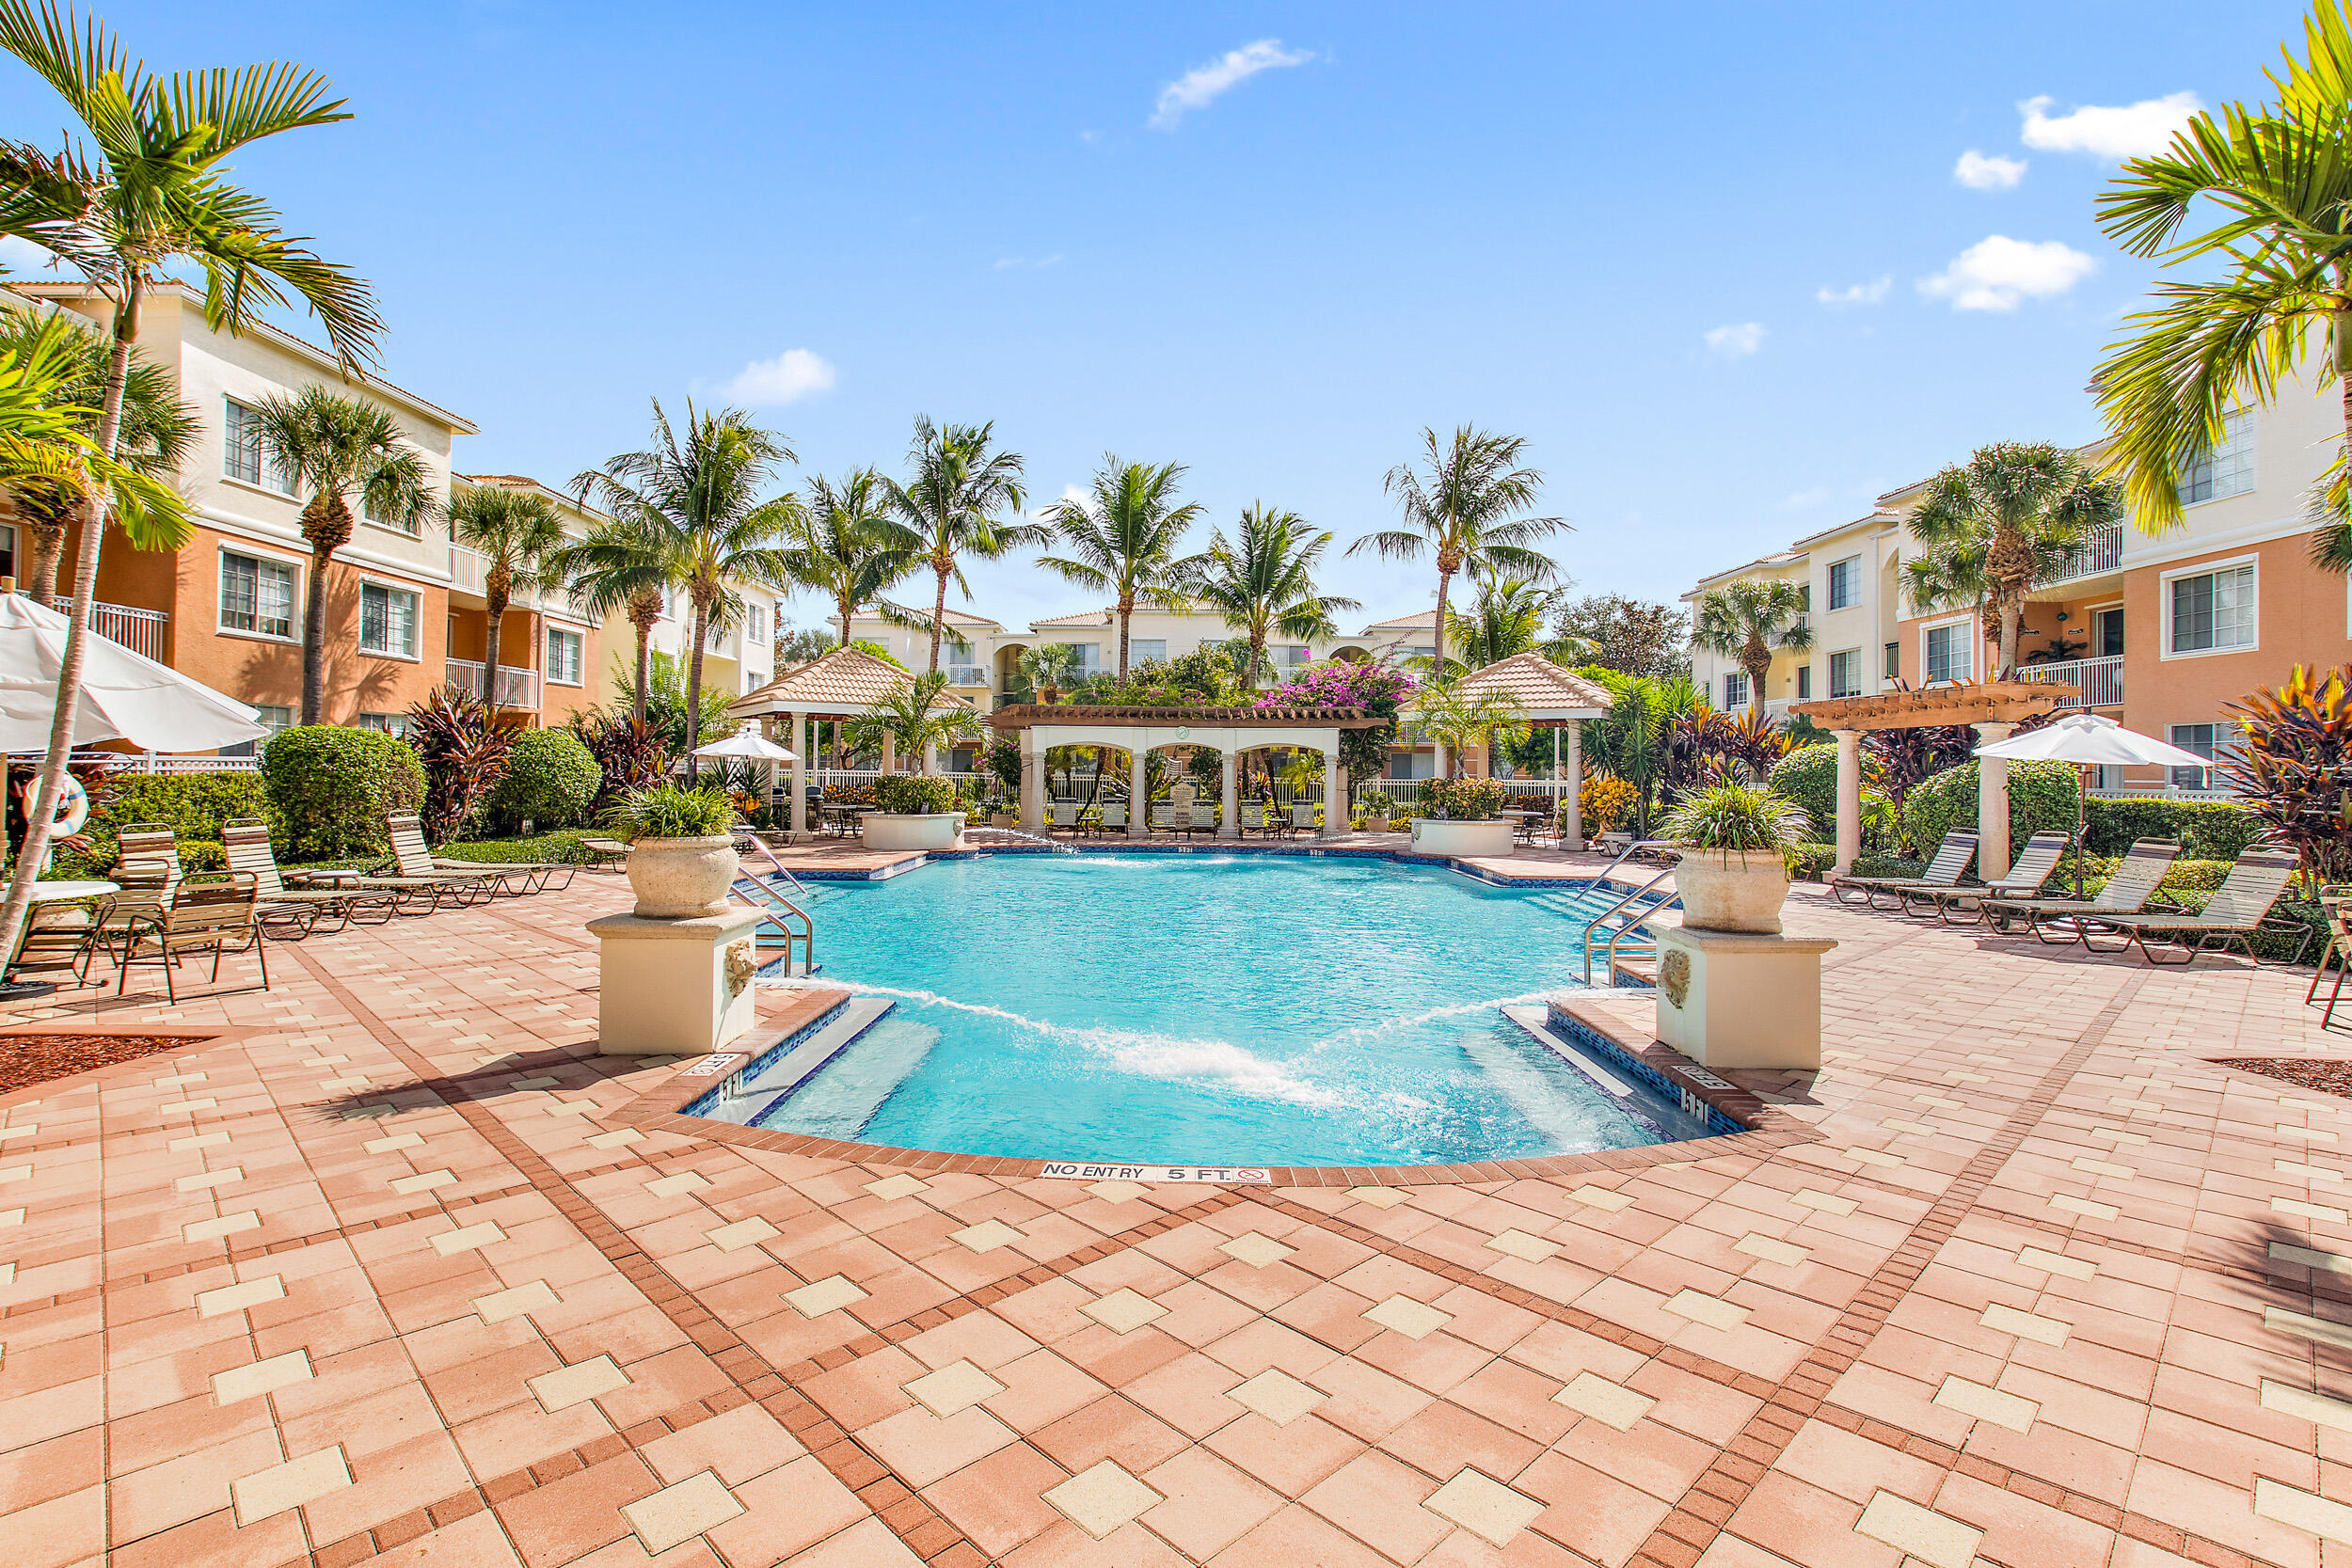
pixel 1808 776
pixel 333 787
pixel 2208 830
pixel 2043 797
pixel 912 795
pixel 192 805
pixel 562 846
pixel 550 778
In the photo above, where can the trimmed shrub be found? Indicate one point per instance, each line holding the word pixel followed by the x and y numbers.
pixel 912 794
pixel 1603 802
pixel 2043 796
pixel 1812 863
pixel 192 805
pixel 562 846
pixel 333 786
pixel 2209 829
pixel 1810 777
pixel 551 777
pixel 1884 865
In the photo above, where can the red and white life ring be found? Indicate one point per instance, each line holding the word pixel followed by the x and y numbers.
pixel 73 807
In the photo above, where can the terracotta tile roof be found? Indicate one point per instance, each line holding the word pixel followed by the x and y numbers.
pixel 1084 617
pixel 847 680
pixel 1020 715
pixel 955 617
pixel 1419 620
pixel 1537 683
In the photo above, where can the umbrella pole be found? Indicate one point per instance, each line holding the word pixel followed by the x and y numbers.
pixel 2082 823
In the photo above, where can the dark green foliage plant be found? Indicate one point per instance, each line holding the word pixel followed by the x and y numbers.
pixel 913 794
pixel 552 779
pixel 465 756
pixel 2043 796
pixel 668 811
pixel 2208 829
pixel 1808 776
pixel 1731 816
pixel 332 788
pixel 192 805
pixel 629 752
pixel 1461 800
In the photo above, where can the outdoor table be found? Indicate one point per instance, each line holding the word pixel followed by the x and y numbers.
pixel 49 892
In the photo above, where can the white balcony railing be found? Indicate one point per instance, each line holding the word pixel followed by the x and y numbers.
pixel 2102 552
pixel 966 674
pixel 470 573
pixel 2101 680
pixel 142 631
pixel 516 688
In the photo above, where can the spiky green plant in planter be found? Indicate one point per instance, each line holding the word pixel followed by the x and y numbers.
pixel 1734 816
pixel 666 811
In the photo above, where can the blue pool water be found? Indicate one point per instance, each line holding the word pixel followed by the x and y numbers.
pixel 1209 1009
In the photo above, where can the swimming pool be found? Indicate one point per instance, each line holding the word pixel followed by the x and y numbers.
pixel 1207 1008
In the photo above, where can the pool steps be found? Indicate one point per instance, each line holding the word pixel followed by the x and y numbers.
pixel 750 1094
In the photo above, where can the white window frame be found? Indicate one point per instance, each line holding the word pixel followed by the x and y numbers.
pixel 2090 638
pixel 2205 568
pixel 391 586
pixel 1732 704
pixel 2171 734
pixel 2253 465
pixel 268 472
pixel 580 640
pixel 1137 656
pixel 1975 645
pixel 395 725
pixel 1854 583
pixel 1853 653
pixel 8 542
pixel 293 618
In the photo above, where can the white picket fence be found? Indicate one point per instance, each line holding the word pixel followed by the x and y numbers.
pixel 151 762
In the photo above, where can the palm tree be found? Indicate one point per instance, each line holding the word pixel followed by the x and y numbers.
pixel 2024 505
pixel 336 448
pixel 1459 719
pixel 521 542
pixel 918 715
pixel 1263 582
pixel 1468 512
pixel 1122 541
pixel 2279 177
pixel 848 544
pixel 629 565
pixel 699 498
pixel 951 501
pixel 1745 620
pixel 157 433
pixel 1507 618
pixel 155 194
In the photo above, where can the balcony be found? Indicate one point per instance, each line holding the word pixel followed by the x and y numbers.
pixel 966 674
pixel 2096 556
pixel 516 688
pixel 470 573
pixel 142 631
pixel 2101 680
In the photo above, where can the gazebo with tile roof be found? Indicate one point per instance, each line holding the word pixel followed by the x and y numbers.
pixel 846 683
pixel 1554 699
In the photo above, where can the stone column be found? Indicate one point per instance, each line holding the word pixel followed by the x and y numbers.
pixel 1439 768
pixel 1229 826
pixel 1849 798
pixel 1991 805
pixel 1334 790
pixel 890 754
pixel 930 759
pixel 1572 801
pixel 800 775
pixel 1032 783
pixel 1138 808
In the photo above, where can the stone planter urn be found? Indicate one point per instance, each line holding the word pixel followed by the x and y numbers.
pixel 679 878
pixel 939 830
pixel 1731 890
pixel 1438 835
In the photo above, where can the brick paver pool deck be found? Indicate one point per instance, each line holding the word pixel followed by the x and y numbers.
pixel 378 1272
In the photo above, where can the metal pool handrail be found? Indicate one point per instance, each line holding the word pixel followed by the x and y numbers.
pixel 1631 848
pixel 762 847
pixel 1617 935
pixel 778 910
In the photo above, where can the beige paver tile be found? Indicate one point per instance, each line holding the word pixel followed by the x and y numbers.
pixel 498 1306
pixel 1102 1498
pixel 987 1236
pixel 2026 1325
pixel 1600 1197
pixel 1123 1312
pixel 829 1294
pixel 2056 1262
pixel 2090 1208
pixel 1591 1394
pixel 1828 1203
pixel 2302 1403
pixel 398 1140
pixel 425 1183
pixel 2310 1257
pixel 1527 1248
pixel 228 1176
pixel 225 1225
pixel 1772 1249
pixel 1415 1320
pixel 298 1480
pixel 236 1298
pixel 261 1377
pixel 1118 1192
pixel 673 1186
pixel 579 1383
pixel 1276 1395
pixel 199 1140
pixel 1254 1249
pixel 742 1233
pixel 1932 1538
pixel 1379 1198
pixel 1700 1308
pixel 958 1385
pixel 2300 1209
pixel 619 1137
pixel 2319 1331
pixel 1986 1403
pixel 1483 1506
pixel 2305 1511
pixel 681 1511
pixel 466 1238
pixel 898 1186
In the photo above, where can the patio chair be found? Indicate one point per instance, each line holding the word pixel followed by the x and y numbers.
pixel 60 937
pixel 2137 877
pixel 2239 909
pixel 296 912
pixel 148 847
pixel 609 853
pixel 1951 859
pixel 1062 813
pixel 215 917
pixel 1163 815
pixel 1199 818
pixel 143 895
pixel 415 860
pixel 2336 898
pixel 1252 818
pixel 2032 867
pixel 431 889
pixel 1303 817
pixel 1115 817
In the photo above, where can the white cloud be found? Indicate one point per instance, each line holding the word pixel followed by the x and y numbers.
pixel 2113 132
pixel 787 378
pixel 1997 271
pixel 1737 340
pixel 1855 293
pixel 1199 86
pixel 1980 172
pixel 1804 499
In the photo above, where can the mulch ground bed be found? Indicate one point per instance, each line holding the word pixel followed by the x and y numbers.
pixel 29 1059
pixel 2305 1072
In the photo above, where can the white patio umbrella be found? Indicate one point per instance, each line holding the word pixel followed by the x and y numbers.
pixel 2089 741
pixel 124 695
pixel 749 743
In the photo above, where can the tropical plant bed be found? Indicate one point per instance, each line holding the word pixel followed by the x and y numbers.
pixel 2304 1073
pixel 29 1059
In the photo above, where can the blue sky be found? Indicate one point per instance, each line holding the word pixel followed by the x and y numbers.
pixel 1268 241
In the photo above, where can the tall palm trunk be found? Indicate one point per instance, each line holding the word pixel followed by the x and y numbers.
pixel 48 551
pixel 326 524
pixel 51 782
pixel 1437 651
pixel 694 685
pixel 848 610
pixel 1756 660
pixel 2008 563
pixel 494 598
pixel 939 608
pixel 1126 616
pixel 644 611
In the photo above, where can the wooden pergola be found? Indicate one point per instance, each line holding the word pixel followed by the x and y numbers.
pixel 1139 731
pixel 1992 709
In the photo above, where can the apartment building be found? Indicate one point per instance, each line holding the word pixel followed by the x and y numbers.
pixel 404 606
pixel 2158 631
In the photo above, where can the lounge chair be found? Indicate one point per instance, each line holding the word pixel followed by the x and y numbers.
pixel 2236 912
pixel 433 889
pixel 1062 813
pixel 608 852
pixel 1252 818
pixel 215 917
pixel 1163 815
pixel 1951 859
pixel 2336 898
pixel 415 860
pixel 1115 817
pixel 2137 877
pixel 60 936
pixel 2034 864
pixel 1197 817
pixel 286 911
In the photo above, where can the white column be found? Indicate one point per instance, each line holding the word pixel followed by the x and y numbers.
pixel 1334 789
pixel 1991 805
pixel 1572 803
pixel 1032 783
pixel 1138 807
pixel 800 775
pixel 1229 826
pixel 890 754
pixel 1849 798
pixel 930 759
pixel 1441 770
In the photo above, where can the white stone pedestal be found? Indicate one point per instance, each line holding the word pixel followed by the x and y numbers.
pixel 1736 999
pixel 674 987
